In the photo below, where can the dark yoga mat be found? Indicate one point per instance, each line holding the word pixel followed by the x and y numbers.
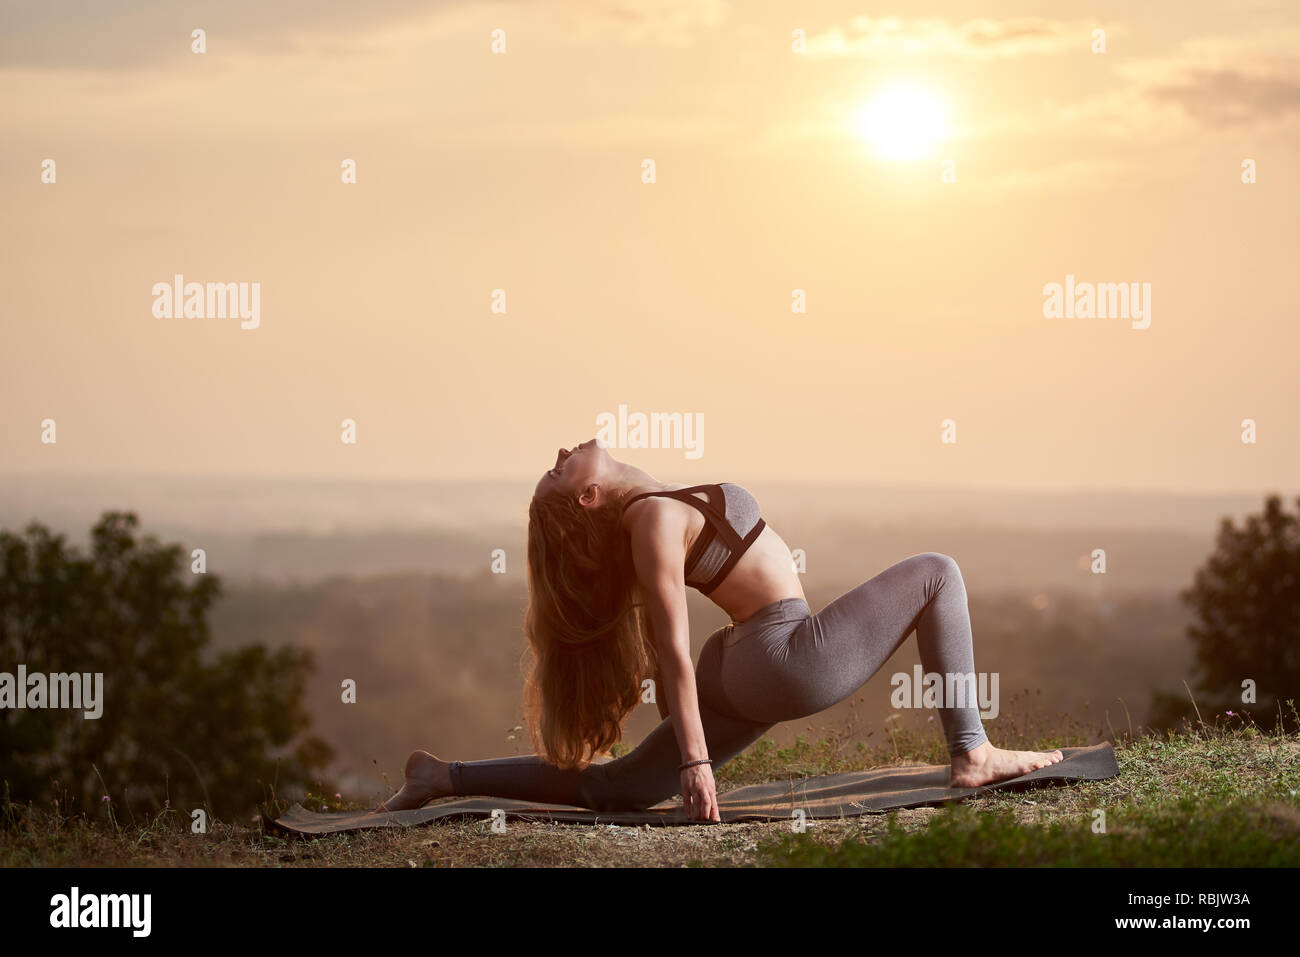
pixel 848 794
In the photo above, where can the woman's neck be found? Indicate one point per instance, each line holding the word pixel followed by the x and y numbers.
pixel 631 480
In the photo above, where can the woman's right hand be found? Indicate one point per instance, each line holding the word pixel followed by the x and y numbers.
pixel 699 794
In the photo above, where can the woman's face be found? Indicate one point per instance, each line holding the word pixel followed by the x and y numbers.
pixel 575 469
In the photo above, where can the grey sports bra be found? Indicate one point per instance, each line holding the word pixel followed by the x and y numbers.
pixel 731 524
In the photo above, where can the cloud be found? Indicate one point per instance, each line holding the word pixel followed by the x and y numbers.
pixel 979 39
pixel 115 35
pixel 1203 84
pixel 1240 80
pixel 1231 97
pixel 119 35
pixel 655 16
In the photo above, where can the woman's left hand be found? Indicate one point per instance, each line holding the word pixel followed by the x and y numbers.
pixel 699 794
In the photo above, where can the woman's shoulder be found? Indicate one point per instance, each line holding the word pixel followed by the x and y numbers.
pixel 637 496
pixel 637 510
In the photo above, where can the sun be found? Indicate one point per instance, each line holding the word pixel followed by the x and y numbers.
pixel 903 122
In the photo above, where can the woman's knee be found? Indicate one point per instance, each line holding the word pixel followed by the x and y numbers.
pixel 939 573
pixel 939 564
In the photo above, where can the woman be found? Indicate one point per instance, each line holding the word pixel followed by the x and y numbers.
pixel 610 554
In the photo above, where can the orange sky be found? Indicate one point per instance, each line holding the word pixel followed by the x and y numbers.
pixel 522 171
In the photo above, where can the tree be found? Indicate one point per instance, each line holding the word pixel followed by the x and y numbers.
pixel 178 722
pixel 1246 602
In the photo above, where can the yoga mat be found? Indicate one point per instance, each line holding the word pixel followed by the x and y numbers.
pixel 848 794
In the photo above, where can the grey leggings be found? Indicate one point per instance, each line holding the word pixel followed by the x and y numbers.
pixel 781 663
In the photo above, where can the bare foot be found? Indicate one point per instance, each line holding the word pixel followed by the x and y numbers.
pixel 426 778
pixel 987 764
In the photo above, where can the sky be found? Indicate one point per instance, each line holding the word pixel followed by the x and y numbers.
pixel 504 270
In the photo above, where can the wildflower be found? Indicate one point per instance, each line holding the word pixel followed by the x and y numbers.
pixel 104 798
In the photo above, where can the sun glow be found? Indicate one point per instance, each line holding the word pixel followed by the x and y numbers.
pixel 903 122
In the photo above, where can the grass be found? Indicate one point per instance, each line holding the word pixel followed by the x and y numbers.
pixel 1230 799
pixel 1222 794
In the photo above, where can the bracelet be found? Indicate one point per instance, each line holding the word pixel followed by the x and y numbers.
pixel 691 764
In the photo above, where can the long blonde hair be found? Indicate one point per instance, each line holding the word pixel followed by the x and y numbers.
pixel 587 629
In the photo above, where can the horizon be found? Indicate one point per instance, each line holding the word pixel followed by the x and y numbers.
pixel 930 486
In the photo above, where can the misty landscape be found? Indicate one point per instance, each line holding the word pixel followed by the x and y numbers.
pixel 391 584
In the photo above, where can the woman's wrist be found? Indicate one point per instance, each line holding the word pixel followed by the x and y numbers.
pixel 697 762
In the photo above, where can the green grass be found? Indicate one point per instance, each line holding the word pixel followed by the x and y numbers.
pixel 1221 797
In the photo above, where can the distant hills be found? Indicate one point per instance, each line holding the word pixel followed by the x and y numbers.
pixel 305 530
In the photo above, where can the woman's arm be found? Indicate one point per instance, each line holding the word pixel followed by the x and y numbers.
pixel 659 554
pixel 661 699
pixel 684 706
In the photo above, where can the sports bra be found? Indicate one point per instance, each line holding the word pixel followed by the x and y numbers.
pixel 731 524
